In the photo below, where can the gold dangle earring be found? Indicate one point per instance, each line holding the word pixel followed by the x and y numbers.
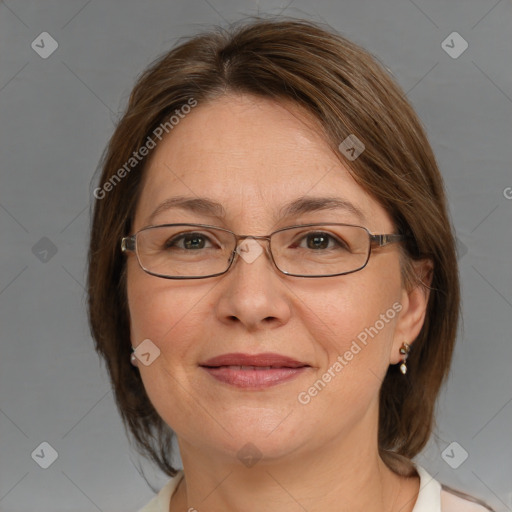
pixel 404 350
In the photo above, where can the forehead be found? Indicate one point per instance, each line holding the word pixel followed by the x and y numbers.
pixel 252 156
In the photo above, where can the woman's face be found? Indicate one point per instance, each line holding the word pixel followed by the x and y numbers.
pixel 254 156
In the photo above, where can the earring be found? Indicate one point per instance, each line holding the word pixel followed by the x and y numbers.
pixel 404 350
pixel 133 358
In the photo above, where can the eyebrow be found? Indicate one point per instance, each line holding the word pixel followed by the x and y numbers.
pixel 302 205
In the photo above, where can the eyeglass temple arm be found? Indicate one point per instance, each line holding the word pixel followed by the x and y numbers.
pixel 382 240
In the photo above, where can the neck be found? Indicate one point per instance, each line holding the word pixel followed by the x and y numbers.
pixel 342 475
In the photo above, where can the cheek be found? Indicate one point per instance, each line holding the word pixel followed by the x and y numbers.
pixel 353 331
pixel 160 310
pixel 355 318
pixel 165 315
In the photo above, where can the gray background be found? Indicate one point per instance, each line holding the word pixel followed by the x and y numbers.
pixel 56 117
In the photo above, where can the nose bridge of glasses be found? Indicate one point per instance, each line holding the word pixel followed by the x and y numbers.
pixel 256 237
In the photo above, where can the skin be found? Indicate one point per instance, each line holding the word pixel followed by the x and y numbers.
pixel 252 155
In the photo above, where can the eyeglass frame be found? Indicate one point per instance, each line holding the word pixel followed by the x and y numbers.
pixel 129 244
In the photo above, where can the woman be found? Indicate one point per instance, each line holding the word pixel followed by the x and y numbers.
pixel 273 278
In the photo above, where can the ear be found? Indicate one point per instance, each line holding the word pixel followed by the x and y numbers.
pixel 414 307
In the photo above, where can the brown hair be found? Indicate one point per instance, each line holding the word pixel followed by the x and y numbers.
pixel 347 92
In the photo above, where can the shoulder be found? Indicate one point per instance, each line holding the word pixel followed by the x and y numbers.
pixel 160 503
pixel 434 497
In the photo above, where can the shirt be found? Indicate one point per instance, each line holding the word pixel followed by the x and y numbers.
pixel 431 498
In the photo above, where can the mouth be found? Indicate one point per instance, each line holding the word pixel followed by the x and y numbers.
pixel 255 372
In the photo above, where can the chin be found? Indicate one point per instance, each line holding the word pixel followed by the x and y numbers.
pixel 274 434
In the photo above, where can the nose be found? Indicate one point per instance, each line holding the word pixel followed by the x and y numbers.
pixel 253 293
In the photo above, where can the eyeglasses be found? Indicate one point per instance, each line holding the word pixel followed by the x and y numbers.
pixel 197 251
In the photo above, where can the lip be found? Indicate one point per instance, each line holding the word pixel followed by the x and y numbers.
pixel 264 359
pixel 256 371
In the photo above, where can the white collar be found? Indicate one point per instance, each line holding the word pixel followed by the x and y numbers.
pixel 429 497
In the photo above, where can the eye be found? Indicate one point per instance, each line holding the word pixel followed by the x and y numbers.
pixel 321 240
pixel 191 240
